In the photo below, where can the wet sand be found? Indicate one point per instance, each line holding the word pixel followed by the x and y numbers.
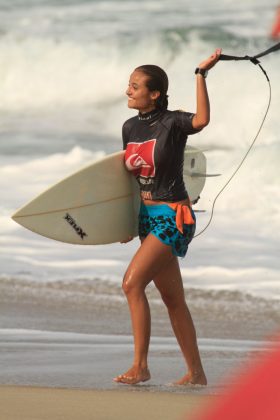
pixel 91 361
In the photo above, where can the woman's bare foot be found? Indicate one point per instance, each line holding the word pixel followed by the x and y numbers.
pixel 134 376
pixel 196 378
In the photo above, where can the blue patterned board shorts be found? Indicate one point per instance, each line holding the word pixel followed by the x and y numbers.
pixel 160 220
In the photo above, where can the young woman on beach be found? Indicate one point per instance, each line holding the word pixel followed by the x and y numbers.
pixel 154 141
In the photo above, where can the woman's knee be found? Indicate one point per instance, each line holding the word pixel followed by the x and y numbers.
pixel 125 286
pixel 131 285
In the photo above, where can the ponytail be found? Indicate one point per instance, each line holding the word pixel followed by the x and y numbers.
pixel 162 102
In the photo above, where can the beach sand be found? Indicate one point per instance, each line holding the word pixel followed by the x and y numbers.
pixel 29 403
pixel 57 359
pixel 65 376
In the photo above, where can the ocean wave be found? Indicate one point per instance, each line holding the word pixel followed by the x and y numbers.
pixel 17 336
pixel 105 291
pixel 66 93
pixel 257 281
pixel 74 52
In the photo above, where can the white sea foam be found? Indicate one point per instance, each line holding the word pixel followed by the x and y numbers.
pixel 258 281
pixel 16 336
pixel 54 63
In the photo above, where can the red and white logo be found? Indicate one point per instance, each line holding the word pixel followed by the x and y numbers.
pixel 139 158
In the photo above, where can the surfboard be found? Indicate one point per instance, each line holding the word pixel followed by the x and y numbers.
pixel 98 204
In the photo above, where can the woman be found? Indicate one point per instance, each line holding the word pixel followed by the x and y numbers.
pixel 154 141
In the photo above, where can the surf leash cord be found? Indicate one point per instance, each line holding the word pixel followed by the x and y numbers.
pixel 255 60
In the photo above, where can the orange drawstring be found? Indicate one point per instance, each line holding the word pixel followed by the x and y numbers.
pixel 183 215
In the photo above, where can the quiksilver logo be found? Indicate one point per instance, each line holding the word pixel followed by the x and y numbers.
pixel 74 225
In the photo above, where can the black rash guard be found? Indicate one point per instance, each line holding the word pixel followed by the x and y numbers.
pixel 154 144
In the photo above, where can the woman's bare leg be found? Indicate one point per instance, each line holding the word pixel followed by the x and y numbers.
pixel 149 260
pixel 169 283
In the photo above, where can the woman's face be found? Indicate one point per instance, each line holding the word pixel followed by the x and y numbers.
pixel 139 96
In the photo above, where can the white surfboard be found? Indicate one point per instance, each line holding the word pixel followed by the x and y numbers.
pixel 99 204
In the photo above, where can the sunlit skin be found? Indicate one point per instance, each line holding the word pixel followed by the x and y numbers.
pixel 155 262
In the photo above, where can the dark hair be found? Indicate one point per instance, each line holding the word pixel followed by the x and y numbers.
pixel 157 80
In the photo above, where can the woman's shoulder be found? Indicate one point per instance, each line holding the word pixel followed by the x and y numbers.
pixel 178 116
pixel 180 112
pixel 177 113
pixel 182 120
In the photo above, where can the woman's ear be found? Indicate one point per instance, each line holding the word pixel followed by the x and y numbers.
pixel 155 94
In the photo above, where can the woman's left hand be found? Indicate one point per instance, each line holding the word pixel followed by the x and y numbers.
pixel 211 61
